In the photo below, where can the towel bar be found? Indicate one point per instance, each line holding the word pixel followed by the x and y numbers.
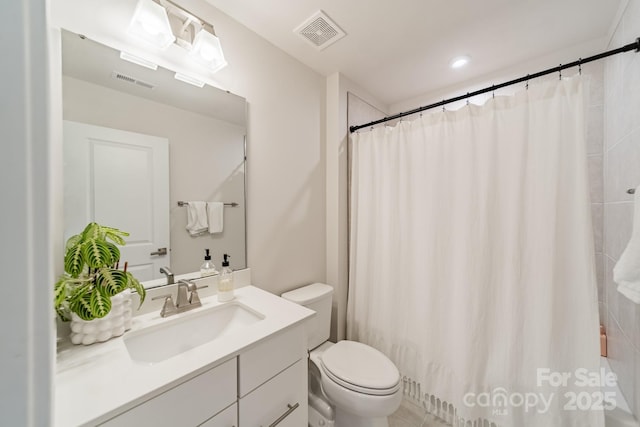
pixel 181 203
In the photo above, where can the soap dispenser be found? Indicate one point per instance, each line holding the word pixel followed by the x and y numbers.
pixel 207 268
pixel 225 283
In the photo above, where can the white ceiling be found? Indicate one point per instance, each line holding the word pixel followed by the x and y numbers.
pixel 400 49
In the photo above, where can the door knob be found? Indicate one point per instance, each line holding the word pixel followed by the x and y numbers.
pixel 160 251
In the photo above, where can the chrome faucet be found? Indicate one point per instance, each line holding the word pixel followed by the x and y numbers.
pixel 187 299
pixel 166 271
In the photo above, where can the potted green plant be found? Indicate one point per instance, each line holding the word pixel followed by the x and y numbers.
pixel 92 285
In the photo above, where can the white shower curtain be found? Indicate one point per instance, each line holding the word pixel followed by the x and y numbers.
pixel 471 259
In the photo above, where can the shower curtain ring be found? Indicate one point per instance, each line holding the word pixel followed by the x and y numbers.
pixel 560 72
pixel 443 110
pixel 527 87
pixel 580 66
pixel 467 98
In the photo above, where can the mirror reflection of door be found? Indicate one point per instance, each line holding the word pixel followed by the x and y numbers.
pixel 110 173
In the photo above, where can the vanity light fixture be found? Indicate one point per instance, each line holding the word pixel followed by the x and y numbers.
pixel 206 49
pixel 460 61
pixel 137 60
pixel 188 79
pixel 164 22
pixel 151 24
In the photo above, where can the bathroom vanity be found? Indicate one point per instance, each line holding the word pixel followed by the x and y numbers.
pixel 241 363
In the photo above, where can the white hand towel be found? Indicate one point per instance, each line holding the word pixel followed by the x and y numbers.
pixel 215 216
pixel 626 273
pixel 197 218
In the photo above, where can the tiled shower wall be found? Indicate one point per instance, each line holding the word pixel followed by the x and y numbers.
pixel 621 172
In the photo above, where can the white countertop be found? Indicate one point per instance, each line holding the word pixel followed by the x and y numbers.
pixel 96 382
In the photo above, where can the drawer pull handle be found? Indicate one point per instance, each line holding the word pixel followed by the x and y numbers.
pixel 285 415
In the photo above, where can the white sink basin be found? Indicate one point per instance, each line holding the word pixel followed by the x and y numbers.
pixel 157 343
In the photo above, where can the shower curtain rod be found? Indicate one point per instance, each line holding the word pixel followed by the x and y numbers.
pixel 632 46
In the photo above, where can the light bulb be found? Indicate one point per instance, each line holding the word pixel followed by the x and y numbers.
pixel 150 24
pixel 208 53
pixel 207 50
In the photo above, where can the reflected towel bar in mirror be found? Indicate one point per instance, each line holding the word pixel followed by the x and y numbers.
pixel 233 205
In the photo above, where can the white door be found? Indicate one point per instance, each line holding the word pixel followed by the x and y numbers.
pixel 119 179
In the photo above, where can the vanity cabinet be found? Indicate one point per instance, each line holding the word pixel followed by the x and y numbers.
pixel 281 401
pixel 226 418
pixel 272 381
pixel 265 385
pixel 190 403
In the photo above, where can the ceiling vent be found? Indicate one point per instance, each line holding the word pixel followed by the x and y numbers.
pixel 125 78
pixel 320 30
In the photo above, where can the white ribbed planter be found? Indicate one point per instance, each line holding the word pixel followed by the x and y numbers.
pixel 112 325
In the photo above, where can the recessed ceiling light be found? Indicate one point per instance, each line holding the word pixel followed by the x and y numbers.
pixel 460 61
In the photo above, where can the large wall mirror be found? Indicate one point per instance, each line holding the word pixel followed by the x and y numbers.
pixel 138 142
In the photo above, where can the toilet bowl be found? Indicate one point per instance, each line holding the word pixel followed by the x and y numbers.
pixel 359 382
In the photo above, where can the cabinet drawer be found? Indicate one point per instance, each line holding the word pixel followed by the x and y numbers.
pixel 276 399
pixel 188 404
pixel 226 418
pixel 264 361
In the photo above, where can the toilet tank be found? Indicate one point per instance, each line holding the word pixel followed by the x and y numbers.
pixel 316 297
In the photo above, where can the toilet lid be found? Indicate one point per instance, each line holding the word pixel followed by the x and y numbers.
pixel 360 368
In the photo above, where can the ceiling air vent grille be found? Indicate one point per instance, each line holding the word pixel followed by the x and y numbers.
pixel 125 78
pixel 320 31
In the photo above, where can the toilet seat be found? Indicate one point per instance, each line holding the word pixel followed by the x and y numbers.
pixel 360 368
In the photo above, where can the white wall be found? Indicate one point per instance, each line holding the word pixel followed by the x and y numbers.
pixel 286 174
pixel 200 152
pixel 26 353
pixel 337 236
pixel 286 161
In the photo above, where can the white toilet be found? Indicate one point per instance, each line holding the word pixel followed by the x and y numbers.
pixel 354 381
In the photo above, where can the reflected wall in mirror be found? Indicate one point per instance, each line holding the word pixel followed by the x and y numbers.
pixel 205 129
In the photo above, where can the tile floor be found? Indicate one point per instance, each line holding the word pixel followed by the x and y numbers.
pixel 410 415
